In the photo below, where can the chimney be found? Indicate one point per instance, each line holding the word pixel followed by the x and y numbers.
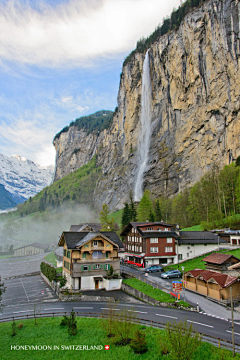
pixel 147 221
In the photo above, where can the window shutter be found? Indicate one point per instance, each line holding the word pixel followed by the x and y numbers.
pixel 82 267
pixel 89 267
pixel 101 266
pixel 94 267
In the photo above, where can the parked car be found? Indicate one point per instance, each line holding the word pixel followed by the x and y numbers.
pixel 171 274
pixel 153 268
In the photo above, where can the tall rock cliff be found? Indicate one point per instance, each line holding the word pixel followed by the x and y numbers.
pixel 195 105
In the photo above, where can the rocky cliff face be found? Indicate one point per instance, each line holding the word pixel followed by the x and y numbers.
pixel 195 110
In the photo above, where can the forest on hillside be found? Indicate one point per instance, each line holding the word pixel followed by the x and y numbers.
pixel 96 122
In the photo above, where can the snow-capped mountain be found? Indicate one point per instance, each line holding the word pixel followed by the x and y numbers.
pixel 23 178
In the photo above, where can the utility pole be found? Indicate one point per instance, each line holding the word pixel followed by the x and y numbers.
pixel 232 323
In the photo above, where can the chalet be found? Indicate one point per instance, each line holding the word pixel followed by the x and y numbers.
pixel 149 243
pixel 220 262
pixel 87 256
pixel 212 284
pixel 31 249
pixel 160 243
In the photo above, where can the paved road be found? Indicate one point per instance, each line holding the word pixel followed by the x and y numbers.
pixel 208 325
pixel 20 265
pixel 27 290
pixel 206 305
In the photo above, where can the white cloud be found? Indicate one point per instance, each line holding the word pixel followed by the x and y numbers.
pixel 76 32
pixel 27 137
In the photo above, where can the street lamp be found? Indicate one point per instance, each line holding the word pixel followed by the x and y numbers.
pixel 183 283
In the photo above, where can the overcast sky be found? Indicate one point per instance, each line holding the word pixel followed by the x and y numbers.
pixel 60 60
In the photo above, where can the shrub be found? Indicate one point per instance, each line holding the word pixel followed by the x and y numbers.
pixel 139 343
pixel 65 321
pixel 181 339
pixel 63 281
pixel 49 271
pixel 72 324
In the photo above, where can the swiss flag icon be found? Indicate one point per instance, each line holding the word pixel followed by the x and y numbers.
pixel 107 347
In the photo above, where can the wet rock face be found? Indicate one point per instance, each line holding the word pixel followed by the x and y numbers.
pixel 195 106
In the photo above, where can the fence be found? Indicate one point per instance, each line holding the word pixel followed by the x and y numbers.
pixel 207 338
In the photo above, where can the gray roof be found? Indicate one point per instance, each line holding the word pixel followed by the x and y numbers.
pixel 74 239
pixel 137 224
pixel 80 227
pixel 36 245
pixel 199 237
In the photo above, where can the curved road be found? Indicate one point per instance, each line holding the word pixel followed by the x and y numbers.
pixel 204 324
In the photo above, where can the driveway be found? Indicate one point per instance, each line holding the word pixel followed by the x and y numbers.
pixel 20 265
pixel 27 290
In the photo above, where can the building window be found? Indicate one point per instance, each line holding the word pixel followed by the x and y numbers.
pixel 132 230
pixel 97 255
pixel 106 254
pixel 67 265
pixel 159 229
pixel 140 239
pixel 149 229
pixel 68 254
pixel 153 240
pixel 86 245
pixel 97 266
pixel 168 249
pixel 106 266
pixel 140 249
pixel 84 255
pixel 153 249
pixel 187 254
pixel 85 268
pixel 95 243
pixel 132 247
pixel 166 229
pixel 169 240
pixel 179 256
pixel 136 248
pixel 65 252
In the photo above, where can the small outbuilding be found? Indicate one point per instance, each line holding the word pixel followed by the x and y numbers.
pixel 220 262
pixel 31 249
pixel 212 284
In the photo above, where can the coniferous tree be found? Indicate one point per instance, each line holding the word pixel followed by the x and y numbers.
pixel 126 215
pixel 158 213
pixel 144 207
pixel 151 216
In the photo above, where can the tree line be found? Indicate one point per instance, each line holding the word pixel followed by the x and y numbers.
pixel 170 23
pixel 212 201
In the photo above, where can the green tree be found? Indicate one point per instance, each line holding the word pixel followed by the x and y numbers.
pixel 72 324
pixel 158 213
pixel 144 207
pixel 126 215
pixel 133 209
pixel 151 216
pixel 180 213
pixel 106 223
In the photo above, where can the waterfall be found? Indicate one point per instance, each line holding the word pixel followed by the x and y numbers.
pixel 145 132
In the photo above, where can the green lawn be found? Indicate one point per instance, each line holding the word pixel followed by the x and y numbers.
pixel 193 228
pixel 5 256
pixel 197 263
pixel 51 258
pixel 117 215
pixel 154 293
pixel 56 340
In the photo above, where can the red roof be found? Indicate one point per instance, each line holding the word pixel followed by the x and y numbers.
pixel 223 280
pixel 218 258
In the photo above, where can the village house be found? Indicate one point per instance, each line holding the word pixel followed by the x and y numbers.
pixel 212 284
pixel 231 237
pixel 160 243
pixel 220 262
pixel 87 257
